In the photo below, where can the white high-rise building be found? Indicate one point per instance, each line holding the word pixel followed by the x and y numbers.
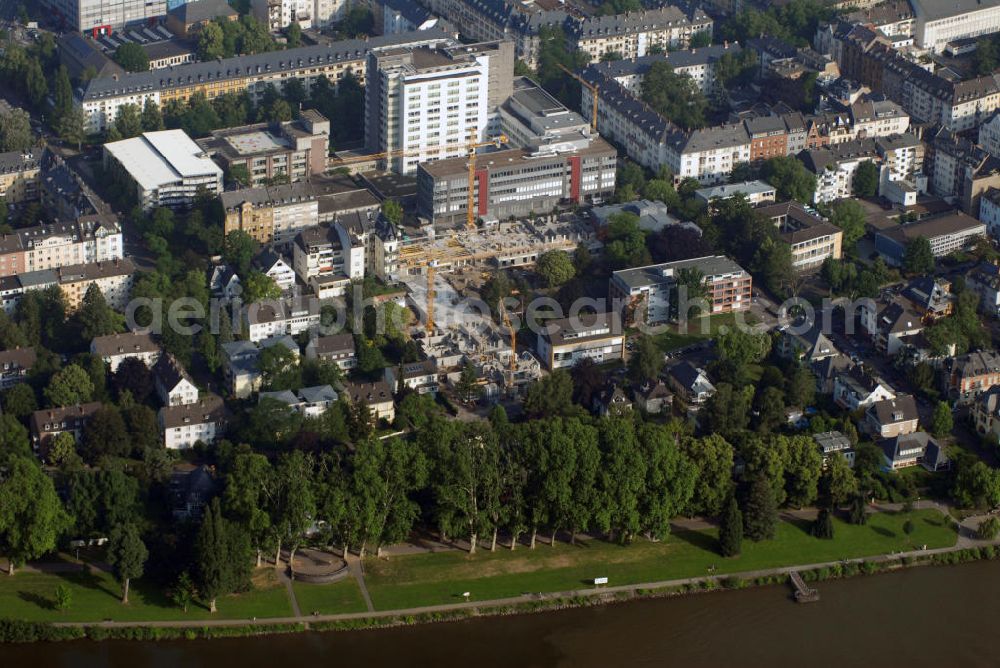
pixel 104 17
pixel 428 102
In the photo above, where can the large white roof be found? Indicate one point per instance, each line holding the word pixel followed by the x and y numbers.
pixel 155 159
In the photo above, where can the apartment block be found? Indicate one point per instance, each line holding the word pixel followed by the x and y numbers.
pixel 699 64
pixel 19 175
pixel 427 102
pixel 113 278
pixel 104 17
pixel 54 245
pixel 164 168
pixel 946 233
pixel 516 182
pixel 116 348
pixel 811 239
pixel 100 98
pixel 645 293
pixel 292 150
pixel 564 342
pixel 184 425
pixel 279 317
pixel 634 34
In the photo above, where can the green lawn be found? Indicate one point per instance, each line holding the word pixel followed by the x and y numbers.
pixel 697 329
pixel 96 597
pixel 330 599
pixel 429 579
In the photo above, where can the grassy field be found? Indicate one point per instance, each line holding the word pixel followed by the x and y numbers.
pixel 329 599
pixel 429 579
pixel 96 597
pixel 697 329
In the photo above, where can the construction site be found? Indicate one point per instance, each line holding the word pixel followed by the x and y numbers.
pixel 444 272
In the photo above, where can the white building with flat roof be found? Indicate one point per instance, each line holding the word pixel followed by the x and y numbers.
pixel 165 168
pixel 940 22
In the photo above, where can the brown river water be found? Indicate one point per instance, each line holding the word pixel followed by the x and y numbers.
pixel 943 617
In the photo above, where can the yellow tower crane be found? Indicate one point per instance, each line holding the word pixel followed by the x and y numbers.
pixel 589 86
pixel 513 342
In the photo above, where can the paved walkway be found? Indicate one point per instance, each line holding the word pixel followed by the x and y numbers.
pixel 358 571
pixel 287 581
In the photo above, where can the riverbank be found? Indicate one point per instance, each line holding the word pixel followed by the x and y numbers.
pixel 21 632
pixel 411 588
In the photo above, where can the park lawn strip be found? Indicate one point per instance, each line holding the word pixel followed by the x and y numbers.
pixel 330 599
pixel 96 596
pixel 431 579
pixel 698 329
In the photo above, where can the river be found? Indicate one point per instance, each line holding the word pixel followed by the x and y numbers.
pixel 919 617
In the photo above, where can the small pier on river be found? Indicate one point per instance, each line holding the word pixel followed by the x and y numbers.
pixel 803 593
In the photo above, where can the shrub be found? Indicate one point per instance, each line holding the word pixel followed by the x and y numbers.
pixel 989 528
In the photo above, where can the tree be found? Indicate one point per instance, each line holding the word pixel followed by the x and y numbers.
pixel 551 396
pixel 467 481
pixel 859 510
pixel 865 182
pixel 62 93
pixel 988 528
pixel 128 122
pixel 790 178
pixel 105 435
pixel 822 527
pixel 293 505
pixel 126 555
pixel 210 46
pixel 293 33
pixel 183 591
pixel 393 211
pixel 152 119
pixel 15 131
pixel 675 96
pixel 258 286
pixel 132 57
pixel 976 485
pixel 942 422
pixel 625 244
pixel 239 250
pixel 731 529
pixel 838 481
pixel 670 479
pixel 621 479
pixel 646 361
pixel 35 85
pixel 222 556
pixel 62 451
pixel 908 527
pixel 70 126
pixel 68 387
pixel 95 317
pixel 19 401
pixel 13 437
pixel 467 387
pixel 134 377
pixel 918 258
pixel 713 459
pixel 250 485
pixel 64 598
pixel 849 216
pixel 31 515
pixel 386 474
pixel 555 267
pixel 760 512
